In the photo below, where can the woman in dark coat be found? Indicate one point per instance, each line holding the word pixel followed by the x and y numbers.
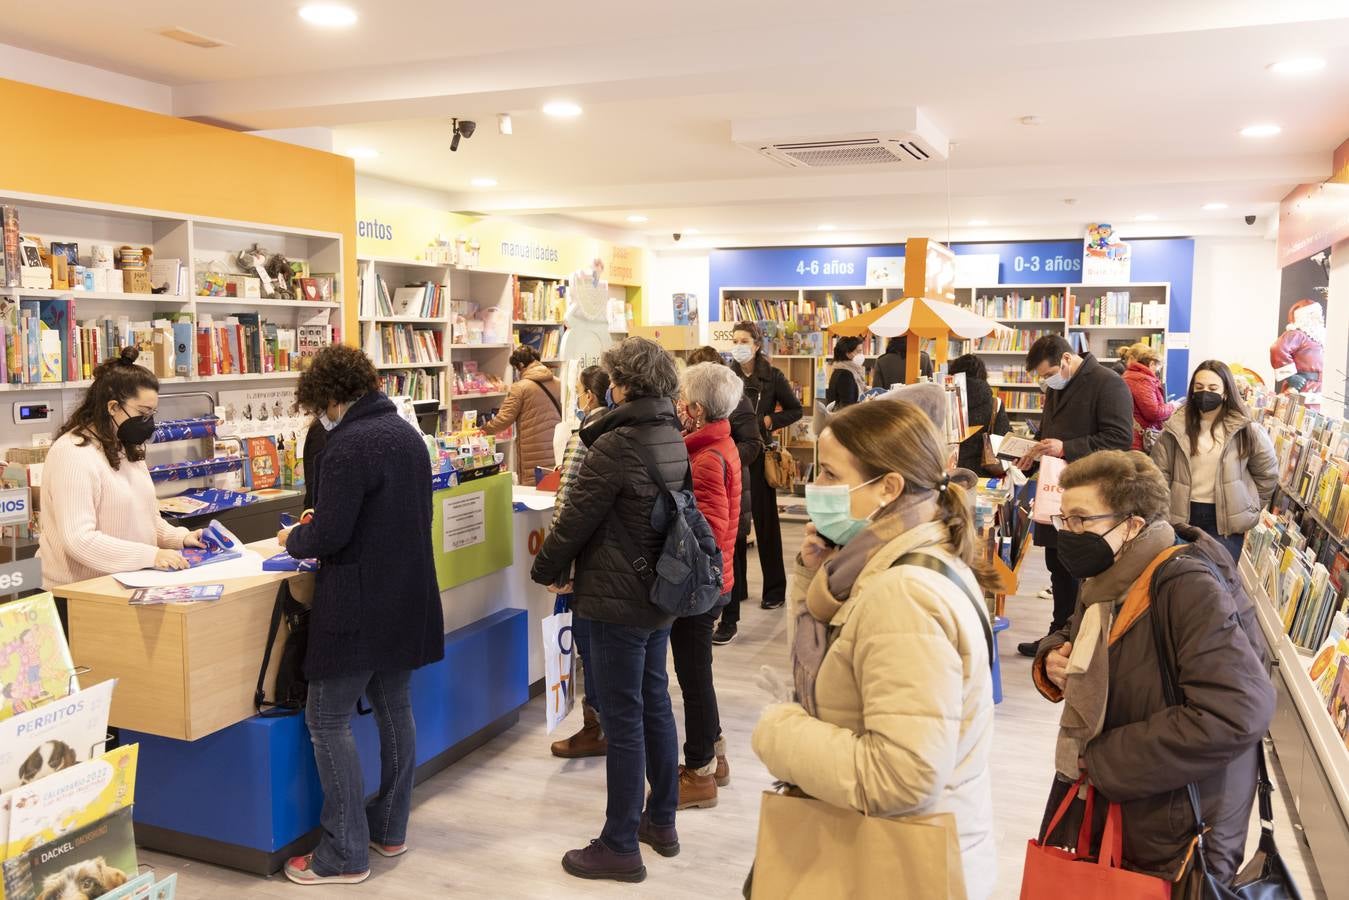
pixel 376 614
pixel 775 406
pixel 629 636
pixel 981 402
pixel 848 378
pixel 890 368
pixel 1118 731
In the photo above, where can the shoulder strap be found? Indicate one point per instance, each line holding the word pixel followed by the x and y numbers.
pixel 635 556
pixel 725 468
pixel 547 393
pixel 278 608
pixel 942 567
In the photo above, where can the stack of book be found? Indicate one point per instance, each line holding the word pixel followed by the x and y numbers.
pixel 1014 306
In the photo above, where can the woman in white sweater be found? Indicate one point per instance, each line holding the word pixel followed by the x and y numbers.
pixel 99 511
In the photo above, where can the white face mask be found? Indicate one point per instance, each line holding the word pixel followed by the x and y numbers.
pixel 742 353
pixel 859 358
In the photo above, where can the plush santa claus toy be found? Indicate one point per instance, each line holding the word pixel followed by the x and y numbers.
pixel 1297 355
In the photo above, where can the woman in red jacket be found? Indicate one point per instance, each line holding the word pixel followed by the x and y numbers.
pixel 1151 410
pixel 709 393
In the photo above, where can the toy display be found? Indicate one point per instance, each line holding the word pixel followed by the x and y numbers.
pixel 1298 355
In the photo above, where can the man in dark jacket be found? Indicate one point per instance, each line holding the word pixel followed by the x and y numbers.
pixel 376 613
pixel 1139 751
pixel 891 367
pixel 629 636
pixel 981 400
pixel 1087 408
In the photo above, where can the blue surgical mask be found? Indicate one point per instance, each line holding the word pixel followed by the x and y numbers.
pixel 742 353
pixel 609 397
pixel 580 414
pixel 830 509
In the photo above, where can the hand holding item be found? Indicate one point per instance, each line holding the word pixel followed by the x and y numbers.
pixel 560 588
pixel 814 550
pixel 193 539
pixel 282 535
pixel 170 561
pixel 768 423
pixel 1056 664
pixel 771 682
pixel 1050 447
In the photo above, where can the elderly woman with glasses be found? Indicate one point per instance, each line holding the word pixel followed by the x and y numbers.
pixel 1118 731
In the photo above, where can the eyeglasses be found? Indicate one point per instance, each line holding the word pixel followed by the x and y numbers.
pixel 1075 523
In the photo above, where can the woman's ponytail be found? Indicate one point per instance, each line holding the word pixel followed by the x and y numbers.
pixel 953 502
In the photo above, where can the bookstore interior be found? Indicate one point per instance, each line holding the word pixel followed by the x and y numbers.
pixel 472 223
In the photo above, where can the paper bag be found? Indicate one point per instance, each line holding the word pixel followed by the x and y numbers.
pixel 808 849
pixel 1049 495
pixel 559 668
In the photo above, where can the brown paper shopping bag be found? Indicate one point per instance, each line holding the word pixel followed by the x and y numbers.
pixel 808 849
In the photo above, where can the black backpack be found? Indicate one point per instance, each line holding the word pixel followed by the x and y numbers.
pixel 686 578
pixel 292 688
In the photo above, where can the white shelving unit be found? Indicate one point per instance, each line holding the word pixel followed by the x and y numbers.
pixel 433 396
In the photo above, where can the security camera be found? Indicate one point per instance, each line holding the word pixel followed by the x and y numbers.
pixel 1250 220
pixel 462 129
pixel 676 235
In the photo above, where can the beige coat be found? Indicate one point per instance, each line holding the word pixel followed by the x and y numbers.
pixel 905 703
pixel 1244 486
pixel 535 416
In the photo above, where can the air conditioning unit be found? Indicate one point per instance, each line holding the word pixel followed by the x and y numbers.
pixel 889 137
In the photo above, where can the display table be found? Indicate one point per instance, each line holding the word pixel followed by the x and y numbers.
pixel 231 788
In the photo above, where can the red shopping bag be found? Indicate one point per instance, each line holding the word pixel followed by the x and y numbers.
pixel 1052 873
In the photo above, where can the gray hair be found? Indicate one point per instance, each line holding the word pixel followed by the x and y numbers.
pixel 642 368
pixel 712 386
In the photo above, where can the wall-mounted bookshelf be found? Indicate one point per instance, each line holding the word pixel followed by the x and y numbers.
pixel 404 323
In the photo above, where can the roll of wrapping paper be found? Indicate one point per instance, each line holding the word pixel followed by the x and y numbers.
pixel 184 430
pixel 200 468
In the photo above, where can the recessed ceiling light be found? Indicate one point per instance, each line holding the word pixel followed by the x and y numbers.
pixel 362 153
pixel 978 223
pixel 504 124
pixel 638 220
pixel 484 182
pixel 1305 65
pixel 1214 207
pixel 562 109
pixel 1145 217
pixel 1263 130
pixel 828 227
pixel 328 15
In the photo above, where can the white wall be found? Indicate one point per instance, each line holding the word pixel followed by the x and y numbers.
pixel 1335 380
pixel 1235 305
pixel 58 74
pixel 672 273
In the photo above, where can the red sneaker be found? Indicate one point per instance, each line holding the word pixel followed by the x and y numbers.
pixel 300 869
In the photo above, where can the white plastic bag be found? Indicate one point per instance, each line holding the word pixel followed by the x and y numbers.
pixel 559 668
pixel 1049 495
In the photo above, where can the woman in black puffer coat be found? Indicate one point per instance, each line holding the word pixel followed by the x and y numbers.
pixel 629 636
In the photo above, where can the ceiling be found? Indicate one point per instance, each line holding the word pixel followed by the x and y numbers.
pixel 1139 105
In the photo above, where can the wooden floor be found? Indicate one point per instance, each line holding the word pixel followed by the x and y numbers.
pixel 496 824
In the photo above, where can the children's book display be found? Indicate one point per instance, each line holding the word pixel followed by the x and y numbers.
pixel 65 802
pixel 464 454
pixel 188 593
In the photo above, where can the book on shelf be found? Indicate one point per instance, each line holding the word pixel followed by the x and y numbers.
pixel 829 310
pixel 419 301
pixel 392 344
pixel 536 301
pixel 1014 340
pixel 418 384
pixel 1015 306
pixel 547 341
pixel 1117 308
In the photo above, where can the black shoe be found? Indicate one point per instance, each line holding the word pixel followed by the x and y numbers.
pixel 597 861
pixel 1030 648
pixel 664 840
pixel 771 604
pixel 724 634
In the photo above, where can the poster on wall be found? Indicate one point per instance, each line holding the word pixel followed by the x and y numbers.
pixel 885 271
pixel 1105 258
pixel 1297 354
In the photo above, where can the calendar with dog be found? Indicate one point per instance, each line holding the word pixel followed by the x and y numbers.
pixel 57 736
pixel 94 860
pixel 71 798
pixel 35 664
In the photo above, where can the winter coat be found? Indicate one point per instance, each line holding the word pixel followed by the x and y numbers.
pixel 717 487
pixel 1150 407
pixel 981 411
pixel 749 445
pixel 1147 752
pixel 532 402
pixel 905 703
pixel 843 389
pixel 768 388
pixel 1093 412
pixel 890 369
pixel 1299 349
pixel 314 440
pixel 613 479
pixel 1245 485
pixel 376 600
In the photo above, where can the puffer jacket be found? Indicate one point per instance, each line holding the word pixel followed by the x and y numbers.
pixel 528 403
pixel 905 703
pixel 1245 485
pixel 1147 752
pixel 717 487
pixel 1150 407
pixel 613 479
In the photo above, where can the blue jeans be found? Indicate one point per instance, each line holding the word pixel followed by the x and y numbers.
pixel 628 665
pixel 349 823
pixel 1204 516
pixel 580 635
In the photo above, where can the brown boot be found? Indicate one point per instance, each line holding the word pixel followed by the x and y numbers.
pixel 723 773
pixel 589 741
pixel 696 791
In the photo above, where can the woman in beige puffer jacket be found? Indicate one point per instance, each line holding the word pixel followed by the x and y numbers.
pixel 533 405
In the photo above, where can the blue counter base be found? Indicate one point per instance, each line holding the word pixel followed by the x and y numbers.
pixel 248 796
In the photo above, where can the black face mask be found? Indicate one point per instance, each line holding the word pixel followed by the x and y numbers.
pixel 1207 401
pixel 136 430
pixel 1085 555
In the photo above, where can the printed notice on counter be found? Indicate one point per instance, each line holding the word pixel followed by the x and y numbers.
pixel 465 521
pixel 1178 340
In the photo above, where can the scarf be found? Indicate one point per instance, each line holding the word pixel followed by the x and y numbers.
pixel 832 584
pixel 858 373
pixel 1088 683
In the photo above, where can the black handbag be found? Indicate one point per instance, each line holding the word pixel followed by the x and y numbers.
pixel 1266 876
pixel 292 688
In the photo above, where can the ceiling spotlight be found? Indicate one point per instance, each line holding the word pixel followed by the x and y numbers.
pixel 361 153
pixel 828 227
pixel 562 109
pixel 1214 207
pixel 328 15
pixel 504 125
pixel 484 182
pixel 978 223
pixel 1145 217
pixel 1305 65
pixel 638 220
pixel 463 128
pixel 1263 130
